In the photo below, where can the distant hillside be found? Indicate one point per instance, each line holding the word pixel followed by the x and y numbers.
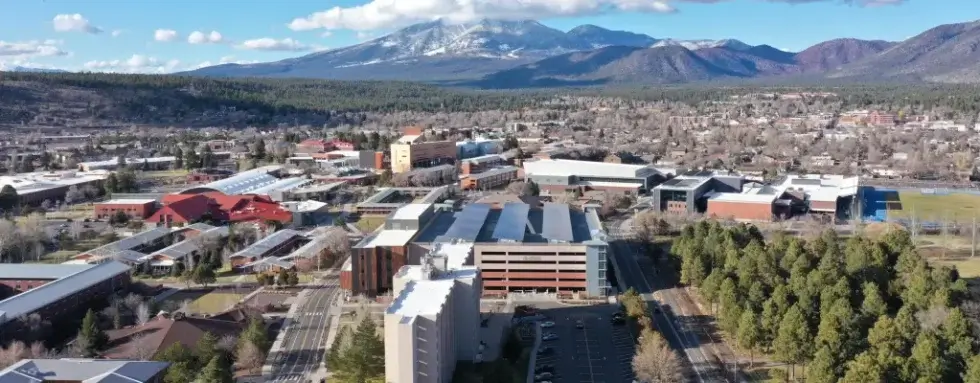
pixel 98 99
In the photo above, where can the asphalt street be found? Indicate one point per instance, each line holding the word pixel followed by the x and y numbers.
pixel 598 353
pixel 671 321
pixel 304 341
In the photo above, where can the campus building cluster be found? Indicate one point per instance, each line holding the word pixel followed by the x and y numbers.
pixel 518 248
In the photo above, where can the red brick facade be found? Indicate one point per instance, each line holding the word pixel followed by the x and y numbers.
pixel 740 211
pixel 132 210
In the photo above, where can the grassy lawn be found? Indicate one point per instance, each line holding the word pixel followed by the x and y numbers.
pixel 929 207
pixel 368 224
pixel 215 302
pixel 968 267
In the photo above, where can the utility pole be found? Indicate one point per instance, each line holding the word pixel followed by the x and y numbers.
pixel 973 244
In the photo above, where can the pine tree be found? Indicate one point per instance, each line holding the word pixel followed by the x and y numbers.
pixel 837 330
pixel 823 368
pixel 216 372
pixel 95 339
pixel 183 364
pixel 364 360
pixel 873 305
pixel 864 369
pixel 203 274
pixel 927 359
pixel 957 339
pixel 337 349
pixel 748 333
pixel 972 374
pixel 206 348
pixel 255 334
pixel 793 343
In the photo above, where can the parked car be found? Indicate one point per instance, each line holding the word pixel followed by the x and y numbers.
pixel 545 350
pixel 544 368
pixel 543 376
pixel 549 336
pixel 618 320
pixel 579 324
pixel 548 324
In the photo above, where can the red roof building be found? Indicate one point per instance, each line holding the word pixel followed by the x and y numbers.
pixel 189 208
pixel 342 145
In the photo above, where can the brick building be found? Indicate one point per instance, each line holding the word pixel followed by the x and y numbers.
pixel 480 164
pixel 376 258
pixel 55 292
pixel 208 175
pixel 133 208
pixel 489 179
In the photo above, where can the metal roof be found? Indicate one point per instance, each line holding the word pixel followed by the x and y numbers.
pixel 82 370
pixel 129 243
pixel 557 223
pixel 38 271
pixel 262 247
pixel 241 183
pixel 469 222
pixel 188 246
pixel 512 223
pixel 31 300
pixel 282 185
pixel 546 167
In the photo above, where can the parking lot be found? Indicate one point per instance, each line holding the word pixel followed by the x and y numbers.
pixel 599 352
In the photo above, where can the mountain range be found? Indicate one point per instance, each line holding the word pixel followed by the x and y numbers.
pixel 520 54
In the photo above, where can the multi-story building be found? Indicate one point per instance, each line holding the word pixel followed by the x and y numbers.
pixel 314 146
pixel 480 164
pixel 478 147
pixel 55 291
pixel 687 193
pixel 434 320
pixel 133 208
pixel 410 152
pixel 489 179
pixel 831 196
pixel 35 188
pixel 559 176
pixel 882 119
pixel 84 371
pixel 376 258
pixel 152 163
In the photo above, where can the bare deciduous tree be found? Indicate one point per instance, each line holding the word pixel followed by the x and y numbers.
pixel 655 361
pixel 142 349
pixel 250 357
pixel 142 313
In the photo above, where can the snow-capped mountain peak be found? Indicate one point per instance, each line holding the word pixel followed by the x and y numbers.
pixel 703 44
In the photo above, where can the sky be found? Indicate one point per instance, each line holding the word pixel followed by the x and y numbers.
pixel 156 36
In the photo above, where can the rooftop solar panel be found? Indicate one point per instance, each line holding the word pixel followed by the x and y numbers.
pixel 557 223
pixel 512 223
pixel 468 223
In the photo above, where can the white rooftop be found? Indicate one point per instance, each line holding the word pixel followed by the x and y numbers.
pixel 303 206
pixel 390 238
pixel 26 183
pixel 128 201
pixel 345 153
pixel 457 254
pixel 411 211
pixel 407 139
pixel 586 168
pixel 426 294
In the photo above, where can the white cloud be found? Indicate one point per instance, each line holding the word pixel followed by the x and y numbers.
pixel 25 49
pixel 117 33
pixel 379 14
pixel 11 64
pixel 198 37
pixel 74 23
pixel 361 35
pixel 134 64
pixel 165 35
pixel 326 34
pixel 270 44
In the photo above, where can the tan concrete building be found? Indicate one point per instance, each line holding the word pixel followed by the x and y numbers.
pixel 434 320
pixel 410 153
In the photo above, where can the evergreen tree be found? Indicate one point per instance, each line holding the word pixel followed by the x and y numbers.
pixel 364 360
pixel 972 374
pixel 183 364
pixel 216 371
pixel 837 330
pixel 334 356
pixel 111 183
pixel 748 333
pixel 207 348
pixel 957 339
pixel 927 359
pixel 255 333
pixel 873 305
pixel 793 343
pixel 178 158
pixel 864 369
pixel 8 198
pixel 293 278
pixel 204 274
pixel 93 337
pixel 823 368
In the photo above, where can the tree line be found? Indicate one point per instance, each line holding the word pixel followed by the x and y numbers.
pixel 654 360
pixel 852 309
pixel 357 356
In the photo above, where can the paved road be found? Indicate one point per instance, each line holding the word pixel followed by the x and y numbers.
pixel 598 353
pixel 305 339
pixel 672 321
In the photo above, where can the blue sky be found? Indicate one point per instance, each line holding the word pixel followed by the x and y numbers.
pixel 158 36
